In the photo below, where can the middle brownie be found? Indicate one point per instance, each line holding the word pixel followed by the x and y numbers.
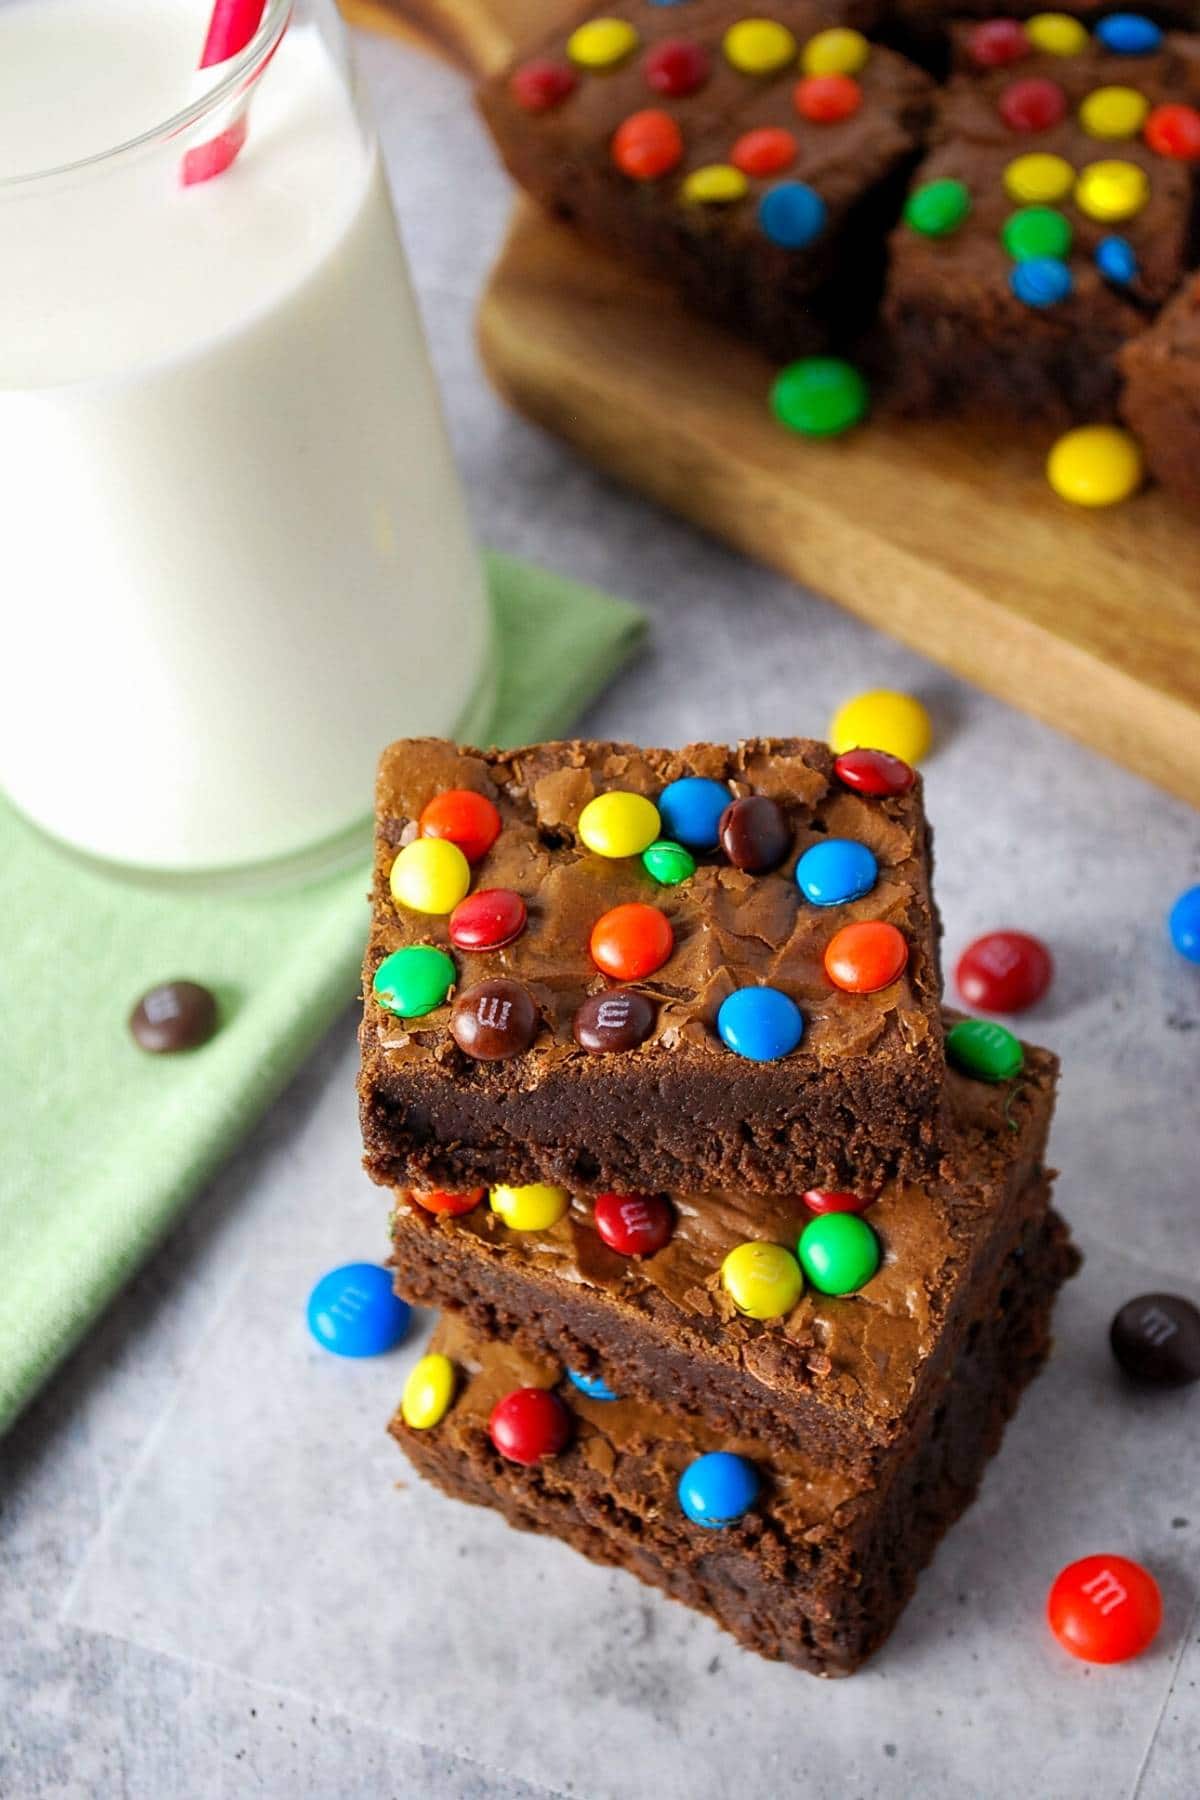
pixel 843 1375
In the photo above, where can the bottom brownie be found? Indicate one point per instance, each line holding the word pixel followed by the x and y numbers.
pixel 818 1571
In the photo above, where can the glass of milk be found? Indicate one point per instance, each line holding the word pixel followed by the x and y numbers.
pixel 234 559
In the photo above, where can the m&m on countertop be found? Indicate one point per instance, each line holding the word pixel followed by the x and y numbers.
pixel 1095 465
pixel 430 875
pixel 428 1392
pixel 691 809
pixel 718 1489
pixel 354 1311
pixel 619 824
pixel 465 818
pixel 866 956
pixel 1156 1340
pixel 764 1281
pixel 630 942
pixel 634 1224
pixel 534 1207
pixel 528 1424
pixel 174 1016
pixel 835 871
pixel 838 1252
pixel 882 719
pixel 1004 972
pixel 1183 924
pixel 1105 1609
pixel 760 1023
pixel 988 1051
pixel 819 396
pixel 487 920
pixel 873 772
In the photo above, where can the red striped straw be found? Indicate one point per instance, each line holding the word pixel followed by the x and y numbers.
pixel 233 24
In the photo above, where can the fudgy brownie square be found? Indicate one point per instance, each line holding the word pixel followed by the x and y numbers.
pixel 1161 397
pixel 842 1376
pixel 1051 218
pixel 819 1566
pixel 753 162
pixel 756 1006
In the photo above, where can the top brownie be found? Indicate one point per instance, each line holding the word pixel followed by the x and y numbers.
pixel 651 1022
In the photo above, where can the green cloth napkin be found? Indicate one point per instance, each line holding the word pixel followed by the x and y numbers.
pixel 101 1145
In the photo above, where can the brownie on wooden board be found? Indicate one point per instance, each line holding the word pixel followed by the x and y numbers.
pixel 820 1568
pixel 1024 304
pixel 853 1103
pixel 1161 397
pixel 777 268
pixel 842 1376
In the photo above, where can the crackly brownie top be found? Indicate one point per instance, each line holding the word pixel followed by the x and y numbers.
pixel 669 952
pixel 715 118
pixel 1058 186
pixel 860 1352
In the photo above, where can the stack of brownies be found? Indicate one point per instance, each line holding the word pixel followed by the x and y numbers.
pixel 744 1249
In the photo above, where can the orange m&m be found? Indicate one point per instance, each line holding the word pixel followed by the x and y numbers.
pixel 647 144
pixel 440 1200
pixel 631 941
pixel 765 151
pixel 825 99
pixel 1174 130
pixel 865 957
pixel 464 818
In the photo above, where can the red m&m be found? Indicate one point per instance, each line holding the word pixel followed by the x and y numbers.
pixel 873 772
pixel 767 151
pixel 647 144
pixel 998 41
pixel 1105 1609
pixel 826 99
pixel 464 818
pixel 439 1200
pixel 634 1224
pixel 487 920
pixel 862 958
pixel 1004 972
pixel 1032 105
pixel 541 85
pixel 631 941
pixel 1174 130
pixel 528 1424
pixel 676 68
pixel 824 1200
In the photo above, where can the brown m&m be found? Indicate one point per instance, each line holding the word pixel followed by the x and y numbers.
pixel 1156 1339
pixel 619 1021
pixel 754 834
pixel 494 1020
pixel 177 1015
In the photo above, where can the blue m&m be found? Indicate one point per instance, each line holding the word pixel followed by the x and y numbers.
pixel 1117 260
pixel 1041 281
pixel 718 1489
pixel 594 1386
pixel 353 1311
pixel 792 214
pixel 1184 924
pixel 760 1023
pixel 1129 34
pixel 837 870
pixel 690 810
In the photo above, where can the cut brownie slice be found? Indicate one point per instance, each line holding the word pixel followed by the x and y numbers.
pixel 842 1376
pixel 1161 399
pixel 687 1026
pixel 818 1570
pixel 696 142
pixel 1051 218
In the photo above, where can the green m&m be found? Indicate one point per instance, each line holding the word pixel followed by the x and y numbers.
pixel 1036 231
pixel 838 1252
pixel 985 1050
pixel 412 982
pixel 669 863
pixel 938 207
pixel 819 396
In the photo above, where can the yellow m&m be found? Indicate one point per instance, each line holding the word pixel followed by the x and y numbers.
pixel 763 1280
pixel 1113 112
pixel 1038 177
pixel 758 46
pixel 427 1392
pixel 838 51
pixel 1095 465
pixel 533 1208
pixel 619 824
pixel 715 183
pixel 1111 190
pixel 1056 34
pixel 882 720
pixel 602 43
pixel 430 875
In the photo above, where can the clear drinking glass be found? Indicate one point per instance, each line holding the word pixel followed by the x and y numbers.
pixel 234 555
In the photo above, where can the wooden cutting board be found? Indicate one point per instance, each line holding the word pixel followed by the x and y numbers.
pixel 944 535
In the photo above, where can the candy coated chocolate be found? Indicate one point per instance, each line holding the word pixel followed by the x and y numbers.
pixel 835 871
pixel 528 1424
pixel 178 1015
pixel 634 1224
pixel 1004 971
pixel 1156 1339
pixel 691 809
pixel 755 834
pixel 760 1023
pixel 874 772
pixel 493 1020
pixel 354 1311
pixel 487 920
pixel 718 1489
pixel 1104 1609
pixel 1184 924
pixel 594 1387
pixel 613 1021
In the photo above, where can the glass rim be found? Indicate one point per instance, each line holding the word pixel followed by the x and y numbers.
pixel 234 73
